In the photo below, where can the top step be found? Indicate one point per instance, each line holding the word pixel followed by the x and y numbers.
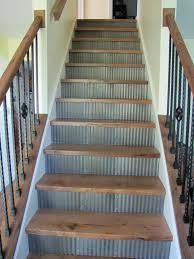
pixel 107 22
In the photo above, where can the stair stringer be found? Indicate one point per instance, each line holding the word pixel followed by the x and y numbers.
pixel 22 248
pixel 168 213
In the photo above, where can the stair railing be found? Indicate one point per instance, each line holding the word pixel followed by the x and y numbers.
pixel 180 119
pixel 19 120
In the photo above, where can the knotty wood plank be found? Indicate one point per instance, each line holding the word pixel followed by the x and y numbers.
pixel 104 123
pixel 111 101
pixel 129 82
pixel 29 170
pixel 124 29
pixel 116 65
pixel 130 185
pixel 102 150
pixel 132 39
pixel 53 222
pixel 114 51
pixel 46 256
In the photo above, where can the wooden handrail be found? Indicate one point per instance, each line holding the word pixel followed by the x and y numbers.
pixel 18 58
pixel 182 51
pixel 58 9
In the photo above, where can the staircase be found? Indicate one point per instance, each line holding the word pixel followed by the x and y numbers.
pixel 101 195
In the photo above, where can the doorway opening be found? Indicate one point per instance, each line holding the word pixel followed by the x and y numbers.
pixel 124 9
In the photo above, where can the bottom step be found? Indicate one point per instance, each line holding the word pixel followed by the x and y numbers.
pixel 99 234
pixel 47 256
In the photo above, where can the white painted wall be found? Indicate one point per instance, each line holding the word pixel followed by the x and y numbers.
pixel 15 17
pixel 184 18
pixel 101 9
pixel 150 23
pixel 53 47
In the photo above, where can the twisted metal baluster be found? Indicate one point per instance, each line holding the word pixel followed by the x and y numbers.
pixel 24 113
pixel 3 195
pixel 173 130
pixel 12 115
pixel 172 93
pixel 7 148
pixel 19 128
pixel 169 82
pixel 185 165
pixel 179 117
pixel 29 105
pixel 182 145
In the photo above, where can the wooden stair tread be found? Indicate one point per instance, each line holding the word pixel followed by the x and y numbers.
pixel 114 51
pixel 116 65
pixel 103 28
pixel 98 81
pixel 60 223
pixel 103 123
pixel 49 256
pixel 108 20
pixel 104 100
pixel 132 39
pixel 130 185
pixel 102 150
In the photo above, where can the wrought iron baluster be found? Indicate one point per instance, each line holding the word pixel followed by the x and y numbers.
pixel 185 165
pixel 179 117
pixel 29 106
pixel 169 82
pixel 173 129
pixel 37 96
pixel 190 166
pixel 12 115
pixel 19 128
pixel 172 93
pixel 24 113
pixel 3 195
pixel 34 133
pixel 8 158
pixel 182 144
pixel 190 238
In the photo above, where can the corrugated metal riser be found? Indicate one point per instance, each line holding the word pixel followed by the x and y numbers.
pixel 103 136
pixel 108 203
pixel 106 58
pixel 106 45
pixel 100 90
pixel 105 73
pixel 119 249
pixel 106 24
pixel 106 34
pixel 102 165
pixel 104 111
